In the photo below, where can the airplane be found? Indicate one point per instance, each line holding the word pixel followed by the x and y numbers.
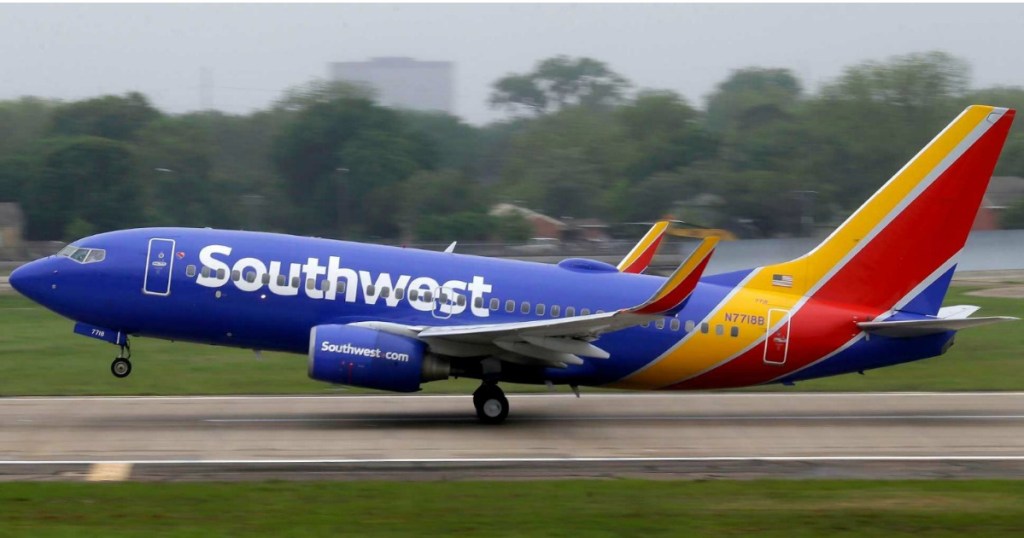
pixel 393 318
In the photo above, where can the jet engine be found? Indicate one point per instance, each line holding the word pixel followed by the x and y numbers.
pixel 370 358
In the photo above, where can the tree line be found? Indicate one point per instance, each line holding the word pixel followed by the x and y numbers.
pixel 763 156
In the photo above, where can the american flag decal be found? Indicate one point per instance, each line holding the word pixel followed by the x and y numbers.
pixel 784 281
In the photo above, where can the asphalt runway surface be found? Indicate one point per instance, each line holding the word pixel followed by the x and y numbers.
pixel 682 435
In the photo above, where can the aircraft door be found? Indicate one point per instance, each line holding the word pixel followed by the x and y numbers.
pixel 159 263
pixel 776 345
pixel 444 303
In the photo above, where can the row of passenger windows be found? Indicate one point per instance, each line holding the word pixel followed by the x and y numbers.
pixel 540 309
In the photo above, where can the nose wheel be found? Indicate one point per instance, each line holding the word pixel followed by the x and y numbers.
pixel 491 404
pixel 121 367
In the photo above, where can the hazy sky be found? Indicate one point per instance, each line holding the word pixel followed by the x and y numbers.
pixel 256 51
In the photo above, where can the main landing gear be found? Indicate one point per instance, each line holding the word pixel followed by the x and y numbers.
pixel 122 365
pixel 491 403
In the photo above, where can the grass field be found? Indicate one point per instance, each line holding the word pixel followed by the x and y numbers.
pixel 546 508
pixel 39 355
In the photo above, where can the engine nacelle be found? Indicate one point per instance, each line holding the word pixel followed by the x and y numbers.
pixel 373 359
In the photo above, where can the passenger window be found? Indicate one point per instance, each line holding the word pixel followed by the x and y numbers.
pixel 310 283
pixel 495 303
pixel 250 276
pixel 675 324
pixel 442 297
pixel 540 309
pixel 478 302
pixel 689 325
pixel 399 293
pixel 236 275
pixel 510 306
pixel 325 285
pixel 266 278
pixel 221 274
pixel 282 280
pixel 205 271
pixel 555 310
pixel 341 286
pixel 414 295
pixel 428 296
pixel 570 311
pixel 385 292
pixel 296 282
pixel 734 331
pixel 370 290
pixel 460 300
pixel 719 329
pixel 660 324
pixel 704 328
pixel 584 311
pixel 525 309
pixel 190 271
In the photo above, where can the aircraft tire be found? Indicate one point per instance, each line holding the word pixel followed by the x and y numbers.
pixel 491 404
pixel 121 368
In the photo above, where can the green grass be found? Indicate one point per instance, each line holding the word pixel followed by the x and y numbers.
pixel 545 508
pixel 40 355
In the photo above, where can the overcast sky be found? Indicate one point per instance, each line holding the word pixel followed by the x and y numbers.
pixel 255 51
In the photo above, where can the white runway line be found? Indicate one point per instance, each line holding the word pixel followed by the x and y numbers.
pixel 682 418
pixel 680 459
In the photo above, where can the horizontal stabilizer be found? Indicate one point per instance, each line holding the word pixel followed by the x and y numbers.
pixel 924 327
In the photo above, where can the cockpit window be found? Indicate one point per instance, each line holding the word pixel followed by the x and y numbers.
pixel 83 255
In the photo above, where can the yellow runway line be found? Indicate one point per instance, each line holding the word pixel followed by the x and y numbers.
pixel 109 472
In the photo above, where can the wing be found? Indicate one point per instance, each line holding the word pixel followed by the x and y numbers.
pixel 563 341
pixel 642 254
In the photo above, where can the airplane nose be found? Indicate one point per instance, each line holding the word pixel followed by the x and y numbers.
pixel 30 279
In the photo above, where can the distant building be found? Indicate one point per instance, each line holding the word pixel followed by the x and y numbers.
pixel 402 82
pixel 12 224
pixel 541 225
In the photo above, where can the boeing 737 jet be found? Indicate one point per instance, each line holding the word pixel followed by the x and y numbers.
pixel 382 317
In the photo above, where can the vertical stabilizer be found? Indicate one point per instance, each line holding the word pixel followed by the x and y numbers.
pixel 901 245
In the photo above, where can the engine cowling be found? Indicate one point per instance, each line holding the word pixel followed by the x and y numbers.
pixel 369 358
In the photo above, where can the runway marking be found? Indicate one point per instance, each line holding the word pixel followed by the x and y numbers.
pixel 109 472
pixel 566 395
pixel 636 418
pixel 530 460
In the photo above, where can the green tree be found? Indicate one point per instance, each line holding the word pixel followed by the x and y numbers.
pixel 750 97
pixel 334 153
pixel 87 179
pixel 23 122
pixel 117 118
pixel 662 132
pixel 560 82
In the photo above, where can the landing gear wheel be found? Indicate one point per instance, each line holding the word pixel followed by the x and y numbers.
pixel 491 404
pixel 121 367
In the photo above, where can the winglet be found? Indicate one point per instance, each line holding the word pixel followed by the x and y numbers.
pixel 677 289
pixel 640 257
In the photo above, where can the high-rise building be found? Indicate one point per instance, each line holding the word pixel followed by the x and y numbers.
pixel 402 82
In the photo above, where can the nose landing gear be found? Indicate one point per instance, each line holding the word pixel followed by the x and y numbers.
pixel 122 365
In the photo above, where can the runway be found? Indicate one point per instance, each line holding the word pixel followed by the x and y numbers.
pixel 696 435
